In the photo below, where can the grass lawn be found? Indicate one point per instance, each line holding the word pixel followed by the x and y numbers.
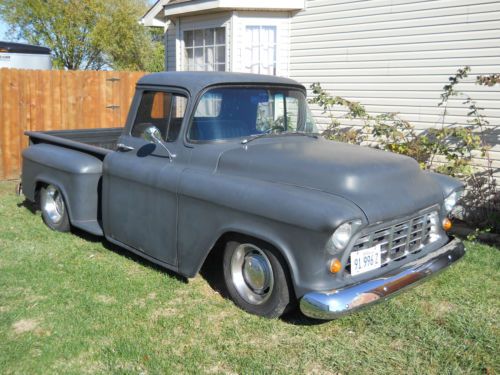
pixel 74 304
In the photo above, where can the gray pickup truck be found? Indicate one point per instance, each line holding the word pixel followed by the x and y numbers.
pixel 228 161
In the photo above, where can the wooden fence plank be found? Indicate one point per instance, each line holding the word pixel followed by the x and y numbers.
pixel 15 137
pixel 6 121
pixel 53 100
pixel 3 125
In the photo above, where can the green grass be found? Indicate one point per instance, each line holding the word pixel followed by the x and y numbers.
pixel 72 304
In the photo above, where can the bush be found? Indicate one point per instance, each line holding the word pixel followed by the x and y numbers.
pixel 447 149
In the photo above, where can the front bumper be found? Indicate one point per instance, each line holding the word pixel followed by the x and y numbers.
pixel 337 302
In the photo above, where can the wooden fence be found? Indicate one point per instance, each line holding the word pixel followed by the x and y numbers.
pixel 53 100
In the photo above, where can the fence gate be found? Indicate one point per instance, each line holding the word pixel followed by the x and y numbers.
pixel 57 100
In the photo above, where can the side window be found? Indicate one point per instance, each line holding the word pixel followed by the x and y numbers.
pixel 163 110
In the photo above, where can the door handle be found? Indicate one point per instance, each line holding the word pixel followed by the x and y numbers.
pixel 123 147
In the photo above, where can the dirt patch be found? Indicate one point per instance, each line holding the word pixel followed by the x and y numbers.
pixel 152 295
pixel 84 363
pixel 34 298
pixel 25 325
pixel 105 299
pixel 163 312
pixel 438 309
pixel 317 369
pixel 220 368
pixel 444 307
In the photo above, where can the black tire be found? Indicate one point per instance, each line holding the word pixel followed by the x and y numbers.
pixel 54 209
pixel 271 299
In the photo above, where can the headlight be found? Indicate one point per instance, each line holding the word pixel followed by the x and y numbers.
pixel 451 200
pixel 343 234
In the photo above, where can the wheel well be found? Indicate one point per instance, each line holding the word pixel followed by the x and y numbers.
pixel 38 187
pixel 217 250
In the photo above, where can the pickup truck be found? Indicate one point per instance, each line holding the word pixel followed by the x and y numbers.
pixel 234 163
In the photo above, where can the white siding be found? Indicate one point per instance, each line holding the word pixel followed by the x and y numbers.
pixel 396 55
pixel 170 46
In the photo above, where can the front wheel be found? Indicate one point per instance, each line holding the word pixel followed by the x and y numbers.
pixel 256 278
pixel 54 211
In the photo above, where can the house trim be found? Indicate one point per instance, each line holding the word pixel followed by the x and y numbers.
pixel 203 6
pixel 155 17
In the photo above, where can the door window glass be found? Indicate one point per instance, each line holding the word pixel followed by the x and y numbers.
pixel 163 110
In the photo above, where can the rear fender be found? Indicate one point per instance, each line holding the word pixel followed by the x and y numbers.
pixel 76 174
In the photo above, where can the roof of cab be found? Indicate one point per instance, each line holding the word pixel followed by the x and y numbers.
pixel 197 81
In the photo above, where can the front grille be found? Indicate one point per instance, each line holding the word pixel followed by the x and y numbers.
pixel 400 239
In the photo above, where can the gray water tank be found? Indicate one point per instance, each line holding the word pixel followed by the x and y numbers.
pixel 24 56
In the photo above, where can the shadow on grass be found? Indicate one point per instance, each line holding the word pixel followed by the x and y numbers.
pixel 213 275
pixel 126 253
pixel 30 206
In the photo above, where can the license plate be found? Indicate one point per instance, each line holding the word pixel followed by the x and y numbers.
pixel 365 260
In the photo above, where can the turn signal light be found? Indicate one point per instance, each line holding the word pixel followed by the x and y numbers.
pixel 447 224
pixel 335 266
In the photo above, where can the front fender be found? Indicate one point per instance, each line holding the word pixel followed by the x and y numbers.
pixel 448 184
pixel 297 221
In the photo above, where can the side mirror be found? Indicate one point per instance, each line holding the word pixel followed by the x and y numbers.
pixel 152 134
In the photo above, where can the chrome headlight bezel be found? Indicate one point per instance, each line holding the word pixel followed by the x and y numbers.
pixel 451 200
pixel 344 232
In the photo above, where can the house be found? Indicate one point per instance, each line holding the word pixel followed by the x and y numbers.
pixel 390 55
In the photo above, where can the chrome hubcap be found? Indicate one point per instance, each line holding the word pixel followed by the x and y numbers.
pixel 252 274
pixel 53 204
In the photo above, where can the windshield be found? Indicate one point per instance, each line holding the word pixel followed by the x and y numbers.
pixel 235 112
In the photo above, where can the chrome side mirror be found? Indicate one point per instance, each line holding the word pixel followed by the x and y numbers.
pixel 152 134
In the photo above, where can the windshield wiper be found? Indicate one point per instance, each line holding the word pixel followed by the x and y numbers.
pixel 268 132
pixel 246 140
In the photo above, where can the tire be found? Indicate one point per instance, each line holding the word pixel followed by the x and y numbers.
pixel 256 278
pixel 54 210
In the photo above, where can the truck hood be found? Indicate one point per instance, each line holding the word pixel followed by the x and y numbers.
pixel 384 185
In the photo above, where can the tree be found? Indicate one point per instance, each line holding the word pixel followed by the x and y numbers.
pixel 87 34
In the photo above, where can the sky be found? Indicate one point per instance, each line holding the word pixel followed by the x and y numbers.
pixel 3 30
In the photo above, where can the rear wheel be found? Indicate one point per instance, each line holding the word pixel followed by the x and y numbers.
pixel 54 212
pixel 256 278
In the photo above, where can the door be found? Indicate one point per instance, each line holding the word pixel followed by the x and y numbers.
pixel 140 180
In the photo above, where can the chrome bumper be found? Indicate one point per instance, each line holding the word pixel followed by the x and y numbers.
pixel 334 303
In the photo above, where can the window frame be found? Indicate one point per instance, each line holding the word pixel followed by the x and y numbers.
pixel 276 38
pixel 193 142
pixel 167 89
pixel 185 60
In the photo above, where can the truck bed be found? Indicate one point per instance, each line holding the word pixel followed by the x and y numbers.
pixel 98 142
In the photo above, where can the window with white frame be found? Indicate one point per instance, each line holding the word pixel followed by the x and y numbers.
pixel 260 49
pixel 205 49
